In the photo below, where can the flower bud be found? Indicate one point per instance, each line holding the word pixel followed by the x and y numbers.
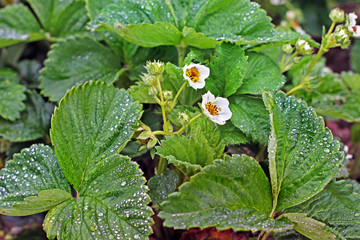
pixel 183 118
pixel 337 15
pixel 341 37
pixel 303 47
pixel 155 68
pixel 287 48
pixel 297 59
pixel 168 95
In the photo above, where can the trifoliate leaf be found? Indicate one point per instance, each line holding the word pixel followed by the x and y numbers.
pixel 61 18
pixel 76 61
pixel 303 155
pixel 162 185
pixel 112 204
pixel 11 98
pixel 188 154
pixel 262 73
pixel 33 170
pixel 163 22
pixel 227 70
pixel 34 121
pixel 92 122
pixel 338 206
pixel 173 80
pixel 251 117
pixel 16 29
pixel 232 193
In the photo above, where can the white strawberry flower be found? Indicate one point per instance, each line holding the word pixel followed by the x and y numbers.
pixel 196 74
pixel 352 27
pixel 216 109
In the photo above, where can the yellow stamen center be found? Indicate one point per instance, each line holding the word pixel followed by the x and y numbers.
pixel 212 108
pixel 193 73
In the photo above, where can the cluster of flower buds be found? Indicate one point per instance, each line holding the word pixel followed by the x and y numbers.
pixel 155 70
pixel 145 136
pixel 341 35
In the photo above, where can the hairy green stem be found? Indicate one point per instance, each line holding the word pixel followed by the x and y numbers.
pixel 161 133
pixel 181 51
pixel 162 166
pixel 162 105
pixel 181 130
pixel 178 94
pixel 298 87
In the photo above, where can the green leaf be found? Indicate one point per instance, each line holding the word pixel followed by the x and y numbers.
pixel 338 206
pixel 354 57
pixel 112 204
pixel 61 18
pixel 94 7
pixel 227 70
pixel 162 185
pixel 76 61
pixel 251 117
pixel 262 73
pixel 33 170
pixel 92 121
pixel 173 80
pixel 15 29
pixel 149 35
pixel 46 200
pixel 206 131
pixel 188 154
pixel 197 24
pixel 232 193
pixel 140 93
pixel 309 227
pixel 352 80
pixel 196 39
pixel 8 74
pixel 34 121
pixel 30 72
pixel 11 98
pixel 231 135
pixel 303 155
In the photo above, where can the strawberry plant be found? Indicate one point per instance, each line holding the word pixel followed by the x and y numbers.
pixel 185 86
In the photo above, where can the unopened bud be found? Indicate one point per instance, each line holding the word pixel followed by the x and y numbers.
pixel 287 48
pixel 168 95
pixel 337 15
pixel 297 59
pixel 183 118
pixel 155 68
pixel 303 47
pixel 341 37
